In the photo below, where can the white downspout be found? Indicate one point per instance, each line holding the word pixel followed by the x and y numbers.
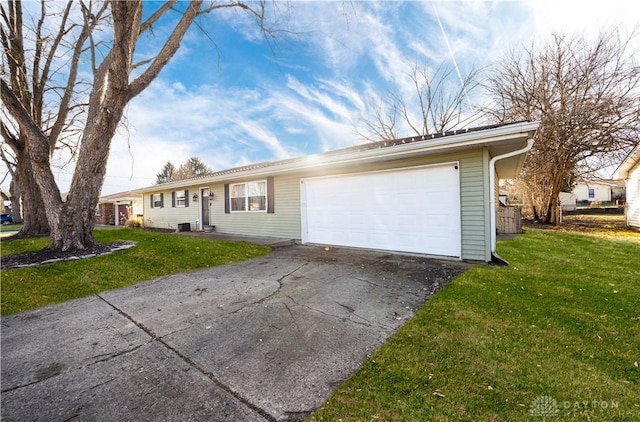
pixel 492 187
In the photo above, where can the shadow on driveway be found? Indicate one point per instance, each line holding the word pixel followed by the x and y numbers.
pixel 266 339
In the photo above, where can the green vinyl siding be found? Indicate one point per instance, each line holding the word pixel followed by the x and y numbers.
pixel 284 222
pixel 168 216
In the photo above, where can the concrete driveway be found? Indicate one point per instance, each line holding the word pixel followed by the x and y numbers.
pixel 266 339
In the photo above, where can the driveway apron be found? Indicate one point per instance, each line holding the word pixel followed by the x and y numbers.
pixel 262 340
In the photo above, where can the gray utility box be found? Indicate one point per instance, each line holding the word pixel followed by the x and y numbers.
pixel 184 227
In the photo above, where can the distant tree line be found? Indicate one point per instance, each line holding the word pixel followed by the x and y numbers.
pixel 191 168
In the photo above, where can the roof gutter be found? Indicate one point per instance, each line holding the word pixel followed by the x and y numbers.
pixel 495 258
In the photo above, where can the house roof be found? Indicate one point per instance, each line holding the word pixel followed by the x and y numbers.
pixel 619 183
pixel 120 197
pixel 499 139
pixel 632 160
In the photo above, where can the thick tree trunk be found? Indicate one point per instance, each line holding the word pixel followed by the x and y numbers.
pixel 548 215
pixel 74 230
pixel 34 217
pixel 74 223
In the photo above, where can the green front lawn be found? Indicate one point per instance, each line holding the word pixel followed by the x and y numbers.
pixel 554 336
pixel 10 227
pixel 156 254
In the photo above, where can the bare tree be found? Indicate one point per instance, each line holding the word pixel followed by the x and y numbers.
pixel 30 60
pixel 586 96
pixel 114 83
pixel 440 98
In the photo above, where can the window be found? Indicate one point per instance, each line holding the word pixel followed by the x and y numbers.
pixel 180 198
pixel 591 193
pixel 99 210
pixel 251 196
pixel 156 200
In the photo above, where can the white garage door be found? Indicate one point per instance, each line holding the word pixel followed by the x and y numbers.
pixel 409 210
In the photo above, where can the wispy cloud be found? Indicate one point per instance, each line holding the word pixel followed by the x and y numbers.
pixel 241 100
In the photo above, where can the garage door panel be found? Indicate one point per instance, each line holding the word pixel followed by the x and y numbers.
pixel 412 210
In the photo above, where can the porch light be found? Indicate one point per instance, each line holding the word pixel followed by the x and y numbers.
pixel 195 197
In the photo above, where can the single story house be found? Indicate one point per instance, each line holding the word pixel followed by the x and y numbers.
pixel 629 170
pixel 433 194
pixel 599 190
pixel 116 209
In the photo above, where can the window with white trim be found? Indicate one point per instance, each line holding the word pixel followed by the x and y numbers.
pixel 250 196
pixel 157 200
pixel 591 193
pixel 181 200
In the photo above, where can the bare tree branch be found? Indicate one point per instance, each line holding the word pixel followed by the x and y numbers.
pixel 437 104
pixel 167 51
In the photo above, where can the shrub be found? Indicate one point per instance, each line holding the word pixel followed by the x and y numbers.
pixel 134 222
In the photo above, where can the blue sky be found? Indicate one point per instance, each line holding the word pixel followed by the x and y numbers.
pixel 243 100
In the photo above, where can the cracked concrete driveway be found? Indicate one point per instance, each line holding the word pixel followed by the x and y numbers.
pixel 266 339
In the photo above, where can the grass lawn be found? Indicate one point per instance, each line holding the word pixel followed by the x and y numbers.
pixel 156 254
pixel 10 227
pixel 554 336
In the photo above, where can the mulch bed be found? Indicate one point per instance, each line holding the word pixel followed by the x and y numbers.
pixel 47 256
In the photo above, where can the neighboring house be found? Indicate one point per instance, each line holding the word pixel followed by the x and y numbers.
pixel 601 190
pixel 115 209
pixel 432 195
pixel 629 171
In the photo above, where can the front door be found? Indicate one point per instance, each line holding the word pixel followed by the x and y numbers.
pixel 122 213
pixel 204 203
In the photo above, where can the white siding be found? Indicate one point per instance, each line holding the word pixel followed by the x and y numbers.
pixel 601 192
pixel 633 197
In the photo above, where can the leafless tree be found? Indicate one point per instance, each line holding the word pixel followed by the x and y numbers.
pixel 586 94
pixel 30 60
pixel 115 80
pixel 440 98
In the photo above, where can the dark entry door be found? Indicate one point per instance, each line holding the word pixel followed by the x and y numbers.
pixel 204 203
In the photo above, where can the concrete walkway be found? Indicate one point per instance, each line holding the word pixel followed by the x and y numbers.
pixel 266 339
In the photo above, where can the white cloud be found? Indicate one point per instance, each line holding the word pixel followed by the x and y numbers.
pixel 356 52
